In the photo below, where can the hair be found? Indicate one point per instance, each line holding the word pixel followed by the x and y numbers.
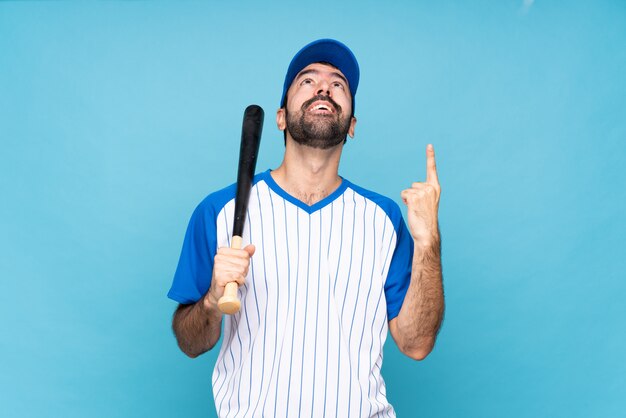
pixel 287 99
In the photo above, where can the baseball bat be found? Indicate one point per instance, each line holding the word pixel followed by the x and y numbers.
pixel 250 139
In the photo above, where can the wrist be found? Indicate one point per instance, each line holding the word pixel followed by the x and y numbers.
pixel 209 304
pixel 427 243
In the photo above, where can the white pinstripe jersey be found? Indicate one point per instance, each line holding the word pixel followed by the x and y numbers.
pixel 323 283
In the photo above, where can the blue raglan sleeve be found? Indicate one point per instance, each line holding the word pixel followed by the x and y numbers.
pixel 195 265
pixel 399 275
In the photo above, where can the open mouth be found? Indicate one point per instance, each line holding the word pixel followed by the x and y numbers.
pixel 321 108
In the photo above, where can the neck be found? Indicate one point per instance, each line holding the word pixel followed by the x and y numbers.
pixel 309 174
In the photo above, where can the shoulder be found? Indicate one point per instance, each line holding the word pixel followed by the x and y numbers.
pixel 209 207
pixel 388 205
pixel 217 200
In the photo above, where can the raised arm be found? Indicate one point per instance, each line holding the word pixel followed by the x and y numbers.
pixel 415 328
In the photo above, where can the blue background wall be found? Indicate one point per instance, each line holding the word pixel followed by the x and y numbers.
pixel 116 118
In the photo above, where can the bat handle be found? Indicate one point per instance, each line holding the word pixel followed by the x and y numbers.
pixel 229 303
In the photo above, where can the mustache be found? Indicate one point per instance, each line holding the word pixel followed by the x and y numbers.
pixel 328 99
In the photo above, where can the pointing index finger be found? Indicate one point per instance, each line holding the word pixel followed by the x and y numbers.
pixel 431 167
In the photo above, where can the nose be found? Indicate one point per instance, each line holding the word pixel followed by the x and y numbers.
pixel 323 88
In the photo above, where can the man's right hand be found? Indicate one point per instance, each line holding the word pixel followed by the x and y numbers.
pixel 230 265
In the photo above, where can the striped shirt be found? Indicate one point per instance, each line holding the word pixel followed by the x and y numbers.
pixel 323 283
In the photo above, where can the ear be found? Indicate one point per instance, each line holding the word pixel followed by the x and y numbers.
pixel 352 125
pixel 280 119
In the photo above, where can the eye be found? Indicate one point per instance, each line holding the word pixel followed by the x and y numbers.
pixel 338 85
pixel 306 81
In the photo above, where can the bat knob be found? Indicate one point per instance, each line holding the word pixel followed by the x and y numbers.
pixel 229 303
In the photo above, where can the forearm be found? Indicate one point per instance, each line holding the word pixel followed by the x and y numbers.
pixel 422 312
pixel 197 327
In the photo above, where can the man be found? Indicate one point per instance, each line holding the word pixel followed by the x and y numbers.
pixel 330 267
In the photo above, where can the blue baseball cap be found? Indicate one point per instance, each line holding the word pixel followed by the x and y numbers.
pixel 324 50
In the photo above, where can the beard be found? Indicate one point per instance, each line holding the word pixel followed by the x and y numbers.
pixel 318 131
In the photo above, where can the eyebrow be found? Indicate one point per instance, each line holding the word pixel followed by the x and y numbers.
pixel 311 71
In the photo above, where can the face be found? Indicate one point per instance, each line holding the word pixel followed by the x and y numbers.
pixel 318 108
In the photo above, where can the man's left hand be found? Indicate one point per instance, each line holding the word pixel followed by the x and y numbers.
pixel 422 200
